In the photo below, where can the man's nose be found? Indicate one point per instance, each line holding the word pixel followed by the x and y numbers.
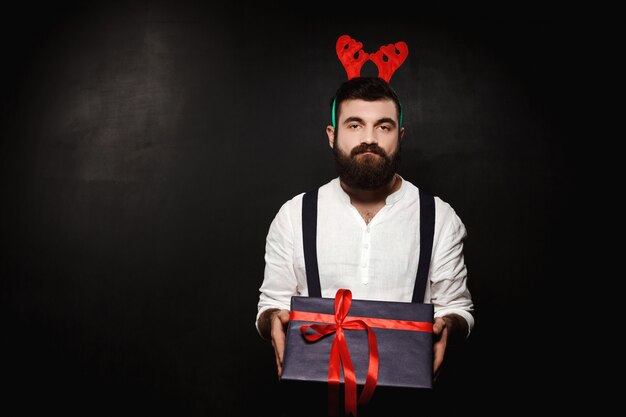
pixel 370 136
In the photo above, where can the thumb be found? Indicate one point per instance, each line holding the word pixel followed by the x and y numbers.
pixel 439 325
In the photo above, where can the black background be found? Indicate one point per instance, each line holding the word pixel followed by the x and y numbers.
pixel 146 148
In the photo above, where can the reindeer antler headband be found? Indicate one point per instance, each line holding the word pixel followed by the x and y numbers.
pixel 388 59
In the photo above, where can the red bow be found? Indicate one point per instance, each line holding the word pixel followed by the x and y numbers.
pixel 339 355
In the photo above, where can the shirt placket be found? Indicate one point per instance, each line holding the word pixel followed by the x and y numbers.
pixel 365 255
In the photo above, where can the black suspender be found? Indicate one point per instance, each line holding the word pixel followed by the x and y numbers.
pixel 309 240
pixel 427 232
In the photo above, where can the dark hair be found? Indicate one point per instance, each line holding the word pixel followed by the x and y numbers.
pixel 364 88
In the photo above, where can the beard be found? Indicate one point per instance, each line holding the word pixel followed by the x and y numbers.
pixel 366 172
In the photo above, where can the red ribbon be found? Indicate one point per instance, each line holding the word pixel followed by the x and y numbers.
pixel 339 353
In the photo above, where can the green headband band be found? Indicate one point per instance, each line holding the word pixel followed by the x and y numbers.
pixel 334 110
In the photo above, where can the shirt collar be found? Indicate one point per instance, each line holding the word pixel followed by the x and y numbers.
pixel 394 197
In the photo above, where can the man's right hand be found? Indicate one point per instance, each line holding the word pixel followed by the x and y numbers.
pixel 279 320
pixel 272 325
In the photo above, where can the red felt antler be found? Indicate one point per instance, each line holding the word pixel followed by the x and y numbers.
pixel 395 54
pixel 347 48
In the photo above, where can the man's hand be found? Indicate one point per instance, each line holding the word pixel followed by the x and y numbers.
pixel 450 330
pixel 272 324
pixel 440 331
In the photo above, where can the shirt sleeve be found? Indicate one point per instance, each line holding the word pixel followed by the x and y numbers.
pixel 279 279
pixel 448 279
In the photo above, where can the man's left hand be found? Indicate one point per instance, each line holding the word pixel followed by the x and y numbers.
pixel 448 330
pixel 440 331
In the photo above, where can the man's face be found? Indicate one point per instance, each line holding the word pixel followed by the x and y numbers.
pixel 367 143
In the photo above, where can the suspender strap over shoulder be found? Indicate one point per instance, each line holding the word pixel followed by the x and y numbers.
pixel 427 232
pixel 309 240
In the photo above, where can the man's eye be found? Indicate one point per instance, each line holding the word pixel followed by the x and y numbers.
pixel 385 128
pixel 353 126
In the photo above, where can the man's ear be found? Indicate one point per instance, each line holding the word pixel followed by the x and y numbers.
pixel 330 131
pixel 401 133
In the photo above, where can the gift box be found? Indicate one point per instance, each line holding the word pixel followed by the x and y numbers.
pixel 368 343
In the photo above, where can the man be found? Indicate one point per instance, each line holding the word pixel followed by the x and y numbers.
pixel 368 228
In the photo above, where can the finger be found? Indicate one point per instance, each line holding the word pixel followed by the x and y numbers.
pixel 279 366
pixel 438 353
pixel 438 326
pixel 436 373
pixel 280 349
pixel 284 317
pixel 278 339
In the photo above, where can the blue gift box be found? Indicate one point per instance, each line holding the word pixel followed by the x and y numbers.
pixel 405 346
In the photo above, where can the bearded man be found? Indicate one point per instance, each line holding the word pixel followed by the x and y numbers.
pixel 368 222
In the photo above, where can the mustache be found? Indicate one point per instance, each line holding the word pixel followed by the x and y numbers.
pixel 364 147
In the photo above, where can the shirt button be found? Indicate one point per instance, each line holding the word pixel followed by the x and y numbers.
pixel 366 246
pixel 367 229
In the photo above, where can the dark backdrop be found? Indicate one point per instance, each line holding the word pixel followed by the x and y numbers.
pixel 147 147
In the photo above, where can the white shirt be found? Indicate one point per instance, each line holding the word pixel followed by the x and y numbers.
pixel 376 261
